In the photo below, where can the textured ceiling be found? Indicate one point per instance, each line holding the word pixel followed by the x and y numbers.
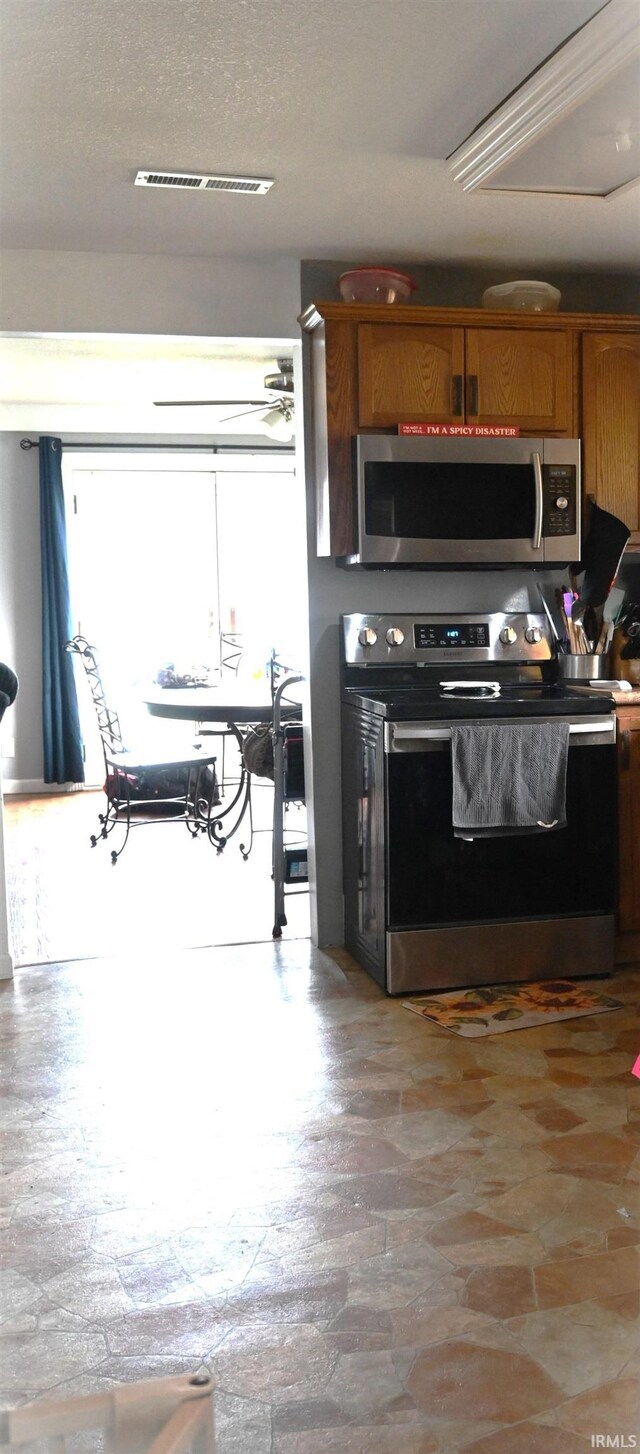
pixel 353 106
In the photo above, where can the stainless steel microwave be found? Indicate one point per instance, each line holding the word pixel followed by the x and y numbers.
pixel 432 501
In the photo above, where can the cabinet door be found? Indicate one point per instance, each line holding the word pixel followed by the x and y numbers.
pixel 519 376
pixel 409 374
pixel 611 424
pixel 629 821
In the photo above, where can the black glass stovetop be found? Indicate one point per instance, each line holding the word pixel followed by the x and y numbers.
pixel 518 699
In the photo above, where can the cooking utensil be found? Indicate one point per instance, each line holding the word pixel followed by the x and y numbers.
pixel 613 603
pixel 601 643
pixel 548 614
pixel 567 625
pixel 601 557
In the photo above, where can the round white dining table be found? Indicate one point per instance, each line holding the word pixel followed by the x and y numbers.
pixel 227 704
pixel 230 707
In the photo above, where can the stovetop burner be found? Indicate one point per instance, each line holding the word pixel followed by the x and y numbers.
pixel 499 665
pixel 428 666
pixel 470 690
pixel 540 699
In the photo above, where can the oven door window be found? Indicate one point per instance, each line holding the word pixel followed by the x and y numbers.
pixel 435 879
pixel 446 500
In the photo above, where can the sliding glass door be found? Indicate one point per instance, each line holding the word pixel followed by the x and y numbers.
pixel 170 556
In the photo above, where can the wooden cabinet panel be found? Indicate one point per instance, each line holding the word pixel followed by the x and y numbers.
pixel 611 424
pixel 409 374
pixel 520 377
pixel 373 367
pixel 629 820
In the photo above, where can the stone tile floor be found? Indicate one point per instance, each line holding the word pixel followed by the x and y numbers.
pixel 381 1238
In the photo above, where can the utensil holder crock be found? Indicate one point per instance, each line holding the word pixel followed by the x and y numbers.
pixel 582 668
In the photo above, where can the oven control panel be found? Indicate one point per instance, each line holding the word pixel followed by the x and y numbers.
pixel 497 636
pixel 432 636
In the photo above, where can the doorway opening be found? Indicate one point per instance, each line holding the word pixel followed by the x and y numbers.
pixel 187 563
pixel 181 560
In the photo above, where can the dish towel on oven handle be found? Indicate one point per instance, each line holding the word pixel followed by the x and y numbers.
pixel 508 777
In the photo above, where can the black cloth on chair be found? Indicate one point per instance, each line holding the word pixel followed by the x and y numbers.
pixel 8 687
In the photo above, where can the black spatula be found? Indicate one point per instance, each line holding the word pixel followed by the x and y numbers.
pixel 601 558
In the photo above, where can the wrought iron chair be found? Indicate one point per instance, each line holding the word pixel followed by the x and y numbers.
pixel 231 651
pixel 290 859
pixel 146 786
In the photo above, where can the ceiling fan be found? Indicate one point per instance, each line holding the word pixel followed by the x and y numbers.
pixel 277 411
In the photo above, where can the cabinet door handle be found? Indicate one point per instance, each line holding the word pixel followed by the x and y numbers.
pixel 473 394
pixel 457 394
pixel 625 751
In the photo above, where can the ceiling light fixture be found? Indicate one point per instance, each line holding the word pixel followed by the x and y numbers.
pixel 278 422
pixel 574 79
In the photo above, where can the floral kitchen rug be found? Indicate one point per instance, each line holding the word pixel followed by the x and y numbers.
pixel 490 1009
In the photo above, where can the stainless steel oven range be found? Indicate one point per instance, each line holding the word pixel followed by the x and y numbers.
pixel 425 909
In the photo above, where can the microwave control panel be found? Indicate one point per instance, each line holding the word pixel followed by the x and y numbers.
pixel 559 487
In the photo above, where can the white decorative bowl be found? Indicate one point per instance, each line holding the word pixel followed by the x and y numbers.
pixel 525 294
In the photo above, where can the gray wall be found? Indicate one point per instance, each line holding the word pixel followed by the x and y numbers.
pixel 64 292
pixel 58 292
pixel 333 591
pixel 83 292
pixel 455 287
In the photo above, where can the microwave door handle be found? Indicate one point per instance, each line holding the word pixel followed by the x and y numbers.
pixel 537 478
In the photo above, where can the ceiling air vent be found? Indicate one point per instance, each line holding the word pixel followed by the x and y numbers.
pixel 205 183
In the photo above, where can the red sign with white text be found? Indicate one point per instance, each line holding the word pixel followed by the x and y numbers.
pixel 466 431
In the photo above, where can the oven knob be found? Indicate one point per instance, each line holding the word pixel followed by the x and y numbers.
pixel 367 636
pixel 508 635
pixel 395 636
pixel 533 633
pixel 562 502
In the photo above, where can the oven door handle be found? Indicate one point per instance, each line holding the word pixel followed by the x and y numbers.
pixel 537 476
pixel 399 736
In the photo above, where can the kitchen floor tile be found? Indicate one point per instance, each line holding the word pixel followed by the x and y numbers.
pixel 377 1238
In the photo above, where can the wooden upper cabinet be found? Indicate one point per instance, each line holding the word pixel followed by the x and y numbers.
pixel 611 424
pixel 374 367
pixel 416 374
pixel 521 377
pixel 409 374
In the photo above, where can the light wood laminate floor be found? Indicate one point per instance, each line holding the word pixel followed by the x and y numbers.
pixel 67 901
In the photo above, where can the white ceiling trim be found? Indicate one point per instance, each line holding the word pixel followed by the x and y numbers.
pixel 603 47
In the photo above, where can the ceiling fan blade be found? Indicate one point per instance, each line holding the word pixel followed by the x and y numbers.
pixel 214 403
pixel 258 409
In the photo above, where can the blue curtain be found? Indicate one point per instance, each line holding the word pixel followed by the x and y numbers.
pixel 62 739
